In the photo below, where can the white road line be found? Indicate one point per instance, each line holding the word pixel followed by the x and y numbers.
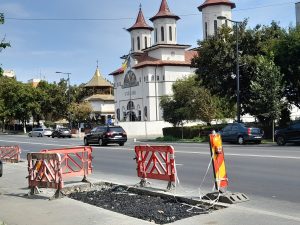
pixel 182 152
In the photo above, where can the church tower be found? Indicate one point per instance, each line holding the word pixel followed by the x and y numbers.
pixel 140 33
pixel 211 9
pixel 164 23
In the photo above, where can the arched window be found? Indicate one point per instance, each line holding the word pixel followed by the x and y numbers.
pixel 162 30
pixel 130 80
pixel 145 113
pixel 216 27
pixel 130 105
pixel 206 34
pixel 139 43
pixel 155 35
pixel 146 42
pixel 170 33
pixel 118 114
pixel 132 44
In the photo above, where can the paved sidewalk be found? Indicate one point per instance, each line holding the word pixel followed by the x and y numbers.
pixel 17 209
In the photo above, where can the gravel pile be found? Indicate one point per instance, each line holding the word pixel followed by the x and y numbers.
pixel 160 210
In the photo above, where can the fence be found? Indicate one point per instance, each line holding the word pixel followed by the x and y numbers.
pixel 10 153
pixel 156 162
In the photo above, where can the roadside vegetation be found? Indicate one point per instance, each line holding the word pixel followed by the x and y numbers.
pixel 269 59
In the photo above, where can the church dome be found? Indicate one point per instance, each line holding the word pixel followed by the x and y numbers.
pixel 140 23
pixel 164 12
pixel 216 2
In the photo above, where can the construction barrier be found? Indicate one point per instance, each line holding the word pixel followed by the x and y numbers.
pixel 1 168
pixel 44 172
pixel 75 161
pixel 218 160
pixel 10 153
pixel 156 162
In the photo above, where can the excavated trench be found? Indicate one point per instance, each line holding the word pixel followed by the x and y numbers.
pixel 141 204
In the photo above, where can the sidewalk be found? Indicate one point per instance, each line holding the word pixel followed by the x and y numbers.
pixel 18 209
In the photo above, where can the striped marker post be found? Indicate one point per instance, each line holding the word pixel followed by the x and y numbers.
pixel 218 160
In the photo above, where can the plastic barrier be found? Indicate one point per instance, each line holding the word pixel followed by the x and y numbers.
pixel 10 153
pixel 156 162
pixel 1 168
pixel 217 154
pixel 76 161
pixel 44 172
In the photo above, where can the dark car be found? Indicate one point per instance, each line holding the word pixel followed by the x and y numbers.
pixel 104 135
pixel 61 132
pixel 289 134
pixel 240 133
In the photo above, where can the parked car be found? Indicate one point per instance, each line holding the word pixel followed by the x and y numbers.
pixel 104 135
pixel 40 132
pixel 290 134
pixel 240 133
pixel 61 132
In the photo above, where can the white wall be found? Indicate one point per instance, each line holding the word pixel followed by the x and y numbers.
pixel 165 23
pixel 142 33
pixel 172 54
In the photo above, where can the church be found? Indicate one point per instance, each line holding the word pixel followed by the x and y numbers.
pixel 154 63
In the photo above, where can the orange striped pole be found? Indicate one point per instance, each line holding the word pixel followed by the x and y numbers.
pixel 218 160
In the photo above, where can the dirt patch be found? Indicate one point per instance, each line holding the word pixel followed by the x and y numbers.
pixel 160 209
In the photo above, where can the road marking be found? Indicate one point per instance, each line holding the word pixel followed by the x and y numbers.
pixel 182 152
pixel 284 216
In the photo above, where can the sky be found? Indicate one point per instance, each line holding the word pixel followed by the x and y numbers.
pixel 70 36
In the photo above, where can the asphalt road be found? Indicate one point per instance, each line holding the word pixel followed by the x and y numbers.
pixel 267 173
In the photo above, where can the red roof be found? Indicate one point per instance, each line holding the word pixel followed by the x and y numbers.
pixel 140 22
pixel 216 2
pixel 118 71
pixel 164 12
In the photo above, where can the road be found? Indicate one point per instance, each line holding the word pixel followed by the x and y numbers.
pixel 267 173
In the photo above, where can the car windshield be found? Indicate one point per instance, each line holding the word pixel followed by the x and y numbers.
pixel 116 129
pixel 64 129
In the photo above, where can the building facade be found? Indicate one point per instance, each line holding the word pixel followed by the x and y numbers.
pixel 151 68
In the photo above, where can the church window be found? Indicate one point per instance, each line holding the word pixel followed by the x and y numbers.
pixel 170 33
pixel 140 116
pixel 118 114
pixel 155 35
pixel 132 47
pixel 162 34
pixel 130 105
pixel 215 27
pixel 145 113
pixel 163 77
pixel 152 78
pixel 138 43
pixel 124 116
pixel 206 35
pixel 157 78
pixel 226 23
pixel 146 42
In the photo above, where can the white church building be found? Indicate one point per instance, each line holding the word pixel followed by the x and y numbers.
pixel 155 62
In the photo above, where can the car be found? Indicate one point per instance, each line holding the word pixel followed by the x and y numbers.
pixel 240 133
pixel 61 132
pixel 290 134
pixel 104 135
pixel 40 132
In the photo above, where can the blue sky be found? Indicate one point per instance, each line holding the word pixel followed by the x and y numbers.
pixel 42 47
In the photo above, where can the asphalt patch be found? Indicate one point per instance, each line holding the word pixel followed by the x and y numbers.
pixel 156 209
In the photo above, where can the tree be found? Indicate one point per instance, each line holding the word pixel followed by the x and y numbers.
pixel 191 101
pixel 266 91
pixel 287 57
pixel 80 111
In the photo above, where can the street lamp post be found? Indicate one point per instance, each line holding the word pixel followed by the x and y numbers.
pixel 69 96
pixel 237 66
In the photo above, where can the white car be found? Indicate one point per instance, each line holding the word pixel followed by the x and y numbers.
pixel 40 132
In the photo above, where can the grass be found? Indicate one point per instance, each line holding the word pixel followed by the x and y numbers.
pixel 173 139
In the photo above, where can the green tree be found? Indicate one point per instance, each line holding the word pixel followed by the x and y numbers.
pixel 287 57
pixel 266 91
pixel 80 111
pixel 191 101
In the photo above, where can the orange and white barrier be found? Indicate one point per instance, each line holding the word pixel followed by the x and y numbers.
pixel 156 162
pixel 10 153
pixel 218 160
pixel 44 171
pixel 75 161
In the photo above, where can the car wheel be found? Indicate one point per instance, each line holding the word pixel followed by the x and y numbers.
pixel 280 140
pixel 258 142
pixel 52 136
pixel 86 143
pixel 40 135
pixel 100 142
pixel 240 140
pixel 121 144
